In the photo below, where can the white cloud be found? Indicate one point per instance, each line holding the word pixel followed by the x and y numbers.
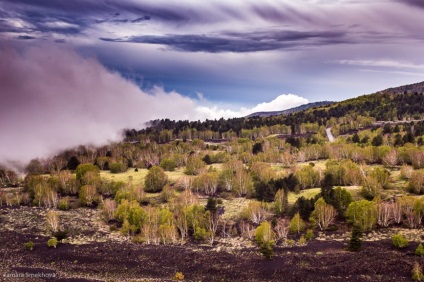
pixel 282 102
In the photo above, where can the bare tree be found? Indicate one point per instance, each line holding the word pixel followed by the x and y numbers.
pixel 281 229
pixel 108 209
pixel 53 221
pixel 247 230
pixel 391 159
pixel 385 214
pixel 397 212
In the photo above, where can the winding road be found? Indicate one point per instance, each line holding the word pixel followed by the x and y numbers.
pixel 329 134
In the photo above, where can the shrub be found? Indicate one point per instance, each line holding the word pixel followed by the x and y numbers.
pixel 289 242
pixel 52 242
pixel 63 204
pixel 168 164
pixel 416 183
pixel 417 273
pixel 29 245
pixel 419 251
pixel 82 169
pixel 355 239
pixel 399 241
pixel 309 234
pixel 155 179
pixel 302 241
pixel 117 167
pixel 88 195
pixel 179 276
pixel 265 238
pixel 200 234
pixel 267 250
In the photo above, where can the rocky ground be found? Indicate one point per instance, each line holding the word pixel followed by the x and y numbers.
pixel 93 253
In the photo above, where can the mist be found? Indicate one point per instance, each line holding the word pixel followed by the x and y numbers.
pixel 53 99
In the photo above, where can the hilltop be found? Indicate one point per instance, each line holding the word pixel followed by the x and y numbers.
pixel 410 88
pixel 290 111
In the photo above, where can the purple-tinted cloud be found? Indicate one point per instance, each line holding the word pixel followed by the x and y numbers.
pixel 53 99
pixel 240 42
pixel 417 3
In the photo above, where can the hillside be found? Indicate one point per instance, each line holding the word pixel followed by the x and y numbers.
pixel 200 200
pixel 410 88
pixel 290 111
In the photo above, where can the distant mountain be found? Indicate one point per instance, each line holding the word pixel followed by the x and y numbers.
pixel 410 88
pixel 292 110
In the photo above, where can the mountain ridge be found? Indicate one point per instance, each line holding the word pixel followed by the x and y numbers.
pixel 291 110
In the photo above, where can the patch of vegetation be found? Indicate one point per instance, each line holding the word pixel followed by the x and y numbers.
pixel 399 241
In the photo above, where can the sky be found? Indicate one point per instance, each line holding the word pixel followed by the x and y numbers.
pixel 101 65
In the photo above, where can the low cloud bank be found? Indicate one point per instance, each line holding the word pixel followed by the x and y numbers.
pixel 53 99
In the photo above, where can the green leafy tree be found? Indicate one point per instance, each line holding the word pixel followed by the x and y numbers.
pixel 265 239
pixel 82 169
pixel 155 180
pixel 363 213
pixel 296 224
pixel 323 214
pixel 194 165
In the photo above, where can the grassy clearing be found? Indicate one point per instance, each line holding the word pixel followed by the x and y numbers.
pixel 318 164
pixel 307 193
pixel 234 207
pixel 218 167
pixel 139 176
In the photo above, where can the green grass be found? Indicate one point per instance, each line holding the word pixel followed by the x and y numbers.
pixel 139 176
pixel 307 193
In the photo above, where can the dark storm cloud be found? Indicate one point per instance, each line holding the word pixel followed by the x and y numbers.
pixel 416 3
pixel 239 42
pixel 25 37
pixel 99 8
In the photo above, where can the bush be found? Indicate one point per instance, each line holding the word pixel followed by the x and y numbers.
pixel 29 245
pixel 302 241
pixel 63 204
pixel 88 195
pixel 355 239
pixel 309 234
pixel 417 273
pixel 52 242
pixel 168 164
pixel 117 167
pixel 400 241
pixel 200 234
pixel 416 183
pixel 179 276
pixel 155 180
pixel 419 251
pixel 266 249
